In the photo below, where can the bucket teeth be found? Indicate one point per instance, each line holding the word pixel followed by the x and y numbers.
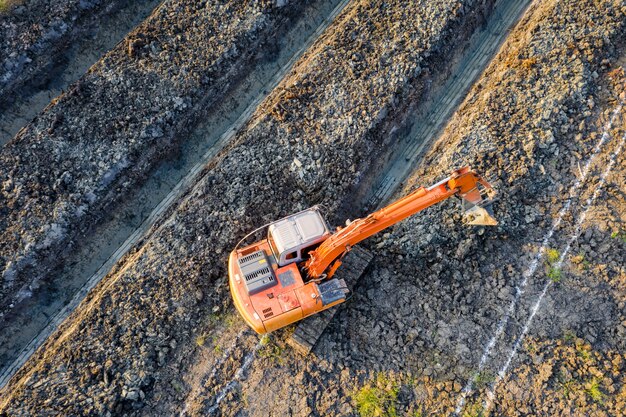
pixel 480 216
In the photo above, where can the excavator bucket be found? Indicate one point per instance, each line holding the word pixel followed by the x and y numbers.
pixel 480 216
pixel 479 199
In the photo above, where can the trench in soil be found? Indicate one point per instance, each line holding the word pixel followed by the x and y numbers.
pixel 28 326
pixel 69 65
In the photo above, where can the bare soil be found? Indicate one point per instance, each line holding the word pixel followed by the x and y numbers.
pixel 310 141
pixel 525 318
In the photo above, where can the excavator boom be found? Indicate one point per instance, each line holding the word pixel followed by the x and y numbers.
pixel 463 182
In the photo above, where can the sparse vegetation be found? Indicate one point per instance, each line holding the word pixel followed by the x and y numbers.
pixel 567 384
pixel 569 336
pixel 483 379
pixel 200 340
pixel 593 390
pixel 554 271
pixel 619 235
pixel 270 350
pixel 378 399
pixel 555 274
pixel 583 351
pixel 552 255
pixel 474 410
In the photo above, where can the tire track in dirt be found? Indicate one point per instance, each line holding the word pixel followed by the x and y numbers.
pixel 213 137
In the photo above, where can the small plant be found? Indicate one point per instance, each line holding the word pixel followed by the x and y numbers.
pixel 619 235
pixel 552 255
pixel 583 351
pixel 555 274
pixel 593 390
pixel 567 385
pixel 569 336
pixel 270 350
pixel 474 410
pixel 200 340
pixel 379 399
pixel 554 271
pixel 483 379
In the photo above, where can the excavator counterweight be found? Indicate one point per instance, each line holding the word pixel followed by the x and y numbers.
pixel 291 274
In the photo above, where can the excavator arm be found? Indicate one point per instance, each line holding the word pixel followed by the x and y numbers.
pixel 464 183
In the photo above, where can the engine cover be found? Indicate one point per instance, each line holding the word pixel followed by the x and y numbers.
pixel 257 272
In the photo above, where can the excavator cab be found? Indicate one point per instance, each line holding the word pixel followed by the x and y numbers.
pixel 266 278
pixel 291 238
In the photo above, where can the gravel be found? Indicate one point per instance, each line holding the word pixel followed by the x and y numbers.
pixel 311 141
pixel 96 142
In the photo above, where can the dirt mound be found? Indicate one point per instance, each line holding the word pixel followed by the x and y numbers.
pixel 311 141
pixel 99 140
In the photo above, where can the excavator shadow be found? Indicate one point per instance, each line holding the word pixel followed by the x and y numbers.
pixel 309 330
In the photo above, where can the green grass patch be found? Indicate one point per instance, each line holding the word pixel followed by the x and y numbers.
pixel 555 274
pixel 552 255
pixel 593 390
pixel 378 398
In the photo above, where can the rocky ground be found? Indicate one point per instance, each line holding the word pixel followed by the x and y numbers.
pixel 310 141
pixel 416 331
pixel 33 32
pixel 100 139
pixel 530 123
pixel 526 318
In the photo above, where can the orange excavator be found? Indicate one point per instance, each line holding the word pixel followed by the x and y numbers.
pixel 291 274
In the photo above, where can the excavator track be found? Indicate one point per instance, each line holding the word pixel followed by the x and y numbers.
pixel 309 330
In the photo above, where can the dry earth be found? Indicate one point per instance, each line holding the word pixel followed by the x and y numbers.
pixel 309 142
pixel 447 318
pixel 93 144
